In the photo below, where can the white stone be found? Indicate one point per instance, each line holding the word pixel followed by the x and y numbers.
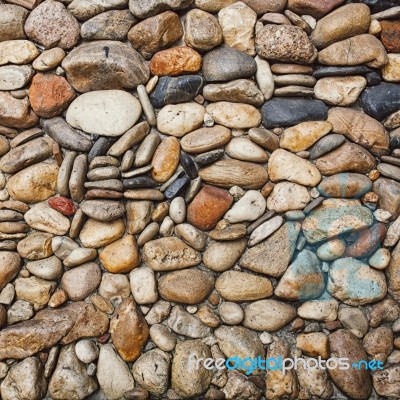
pixel 104 112
pixel 380 259
pixel 191 235
pixel 393 233
pixel 324 309
pixel 44 218
pixel 113 374
pixel 264 78
pixel 179 119
pixel 114 287
pixel 288 196
pixel 86 350
pixel 245 150
pixel 382 215
pixel 231 313
pixel 143 285
pixel 264 230
pixel 14 77
pixel 249 208
pixel 177 210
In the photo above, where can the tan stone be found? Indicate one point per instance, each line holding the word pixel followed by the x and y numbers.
pixel 98 234
pixel 165 159
pixel 314 344
pixel 16 113
pixel 17 52
pixel 391 71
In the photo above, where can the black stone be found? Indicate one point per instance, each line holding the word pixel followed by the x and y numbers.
pixel 209 158
pixel 289 111
pixel 177 188
pixel 100 148
pixel 326 144
pixel 67 137
pixel 321 72
pixel 373 78
pixel 139 182
pixel 381 100
pixel 189 166
pixel 378 5
pixel 174 90
pixel 226 64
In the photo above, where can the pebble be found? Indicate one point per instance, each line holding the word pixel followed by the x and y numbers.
pixel 14 77
pixel 249 208
pixel 331 250
pixel 86 350
pixel 221 256
pixel 345 185
pixel 165 159
pixel 103 210
pixel 380 259
pixel 183 323
pixel 97 234
pixel 162 337
pixel 287 196
pixel 12 22
pixel 231 313
pixel 143 285
pixel 17 52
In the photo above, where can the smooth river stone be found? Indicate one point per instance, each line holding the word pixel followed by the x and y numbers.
pixel 349 157
pixel 335 217
pixel 165 159
pixel 304 135
pixel 288 196
pixel 105 64
pixel 34 184
pixel 362 49
pixel 359 128
pixel 389 171
pixel 148 8
pixel 179 119
pixel 278 249
pixel 345 185
pixel 310 7
pixel 169 253
pixel 14 77
pixel 381 100
pixel 325 145
pixel 234 115
pixel 388 192
pixel 98 234
pixel 17 52
pixel 228 173
pixel 43 218
pixel 284 165
pixel 246 150
pixel 206 139
pixel 282 112
pixel 104 112
pixel 103 210
pixel 285 43
pixel 355 283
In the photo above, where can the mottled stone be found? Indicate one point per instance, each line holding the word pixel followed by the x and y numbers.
pixel 345 185
pixel 205 139
pixel 12 19
pixel 16 113
pixel 310 7
pixel 148 8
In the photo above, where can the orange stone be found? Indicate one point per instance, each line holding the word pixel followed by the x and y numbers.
pixel 50 95
pixel 207 208
pixel 175 61
pixel 166 159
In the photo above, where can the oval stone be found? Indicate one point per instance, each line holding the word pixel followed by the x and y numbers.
pixel 345 185
pixel 98 234
pixel 165 159
pixel 103 210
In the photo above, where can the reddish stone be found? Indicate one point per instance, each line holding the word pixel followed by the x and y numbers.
pixel 367 241
pixel 175 61
pixel 50 95
pixel 207 208
pixel 63 205
pixel 332 325
pixel 311 7
pixel 390 35
pixel 104 338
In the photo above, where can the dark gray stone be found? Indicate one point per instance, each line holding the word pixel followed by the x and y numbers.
pixel 189 166
pixel 139 182
pixel 99 148
pixel 378 5
pixel 177 188
pixel 209 157
pixel 321 72
pixel 325 145
pixel 288 111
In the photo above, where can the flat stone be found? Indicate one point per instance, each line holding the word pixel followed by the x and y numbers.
pixel 12 22
pixel 14 77
pixel 205 139
pixel 51 24
pixel 345 185
pixel 228 173
pixel 248 208
pixel 189 286
pixel 349 157
pixel 285 43
pixel 16 113
pixel 268 315
pixel 303 280
pixel 239 35
pixel 145 9
pixel 98 234
pixel 323 71
pixel 340 91
pixel 288 196
pixel 110 25
pixel 381 100
pixel 347 21
pixel 182 372
pixel 348 52
pixel 17 52
pixel 179 119
pixel 265 230
pixel 234 115
pixel 105 64
pixel 119 111
pixel 282 112
pixel 84 10
pixel 129 330
pixel 241 286
pixel 156 33
pixel 170 90
pixel 221 256
pixel 202 30
pixel 169 253
pixel 309 7
pixel 335 217
pixel 277 248
pixel 226 64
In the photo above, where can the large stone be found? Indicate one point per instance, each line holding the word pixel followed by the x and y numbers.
pixel 12 19
pixel 346 185
pixel 129 330
pixel 353 382
pixel 388 191
pixel 278 249
pixel 310 7
pixel 285 43
pixel 10 263
pixel 105 64
pixel 347 21
pixel 169 253
pixel 16 113
pixel 355 283
pixel 362 49
pixel 335 217
pixel 359 128
pixel 33 184
pixel 284 165
pixel 148 8
pixel 14 77
pixel 387 382
pixel 17 52
pixel 98 234
pixel 44 218
pixel 51 25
